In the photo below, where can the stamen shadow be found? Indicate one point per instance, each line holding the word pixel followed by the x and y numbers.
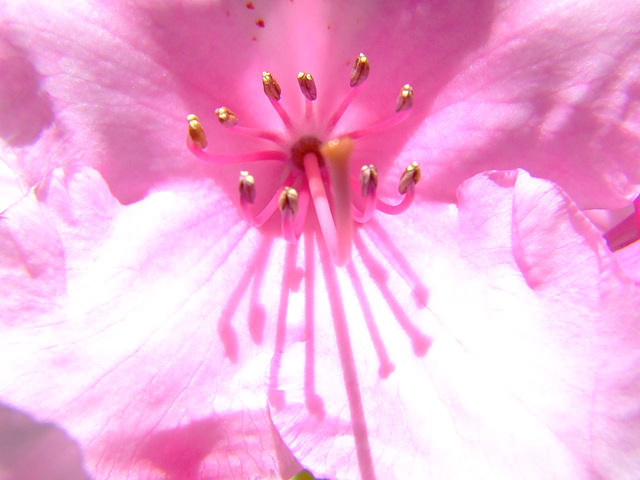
pixel 276 397
pixel 397 259
pixel 313 401
pixel 254 270
pixel 386 366
pixel 419 340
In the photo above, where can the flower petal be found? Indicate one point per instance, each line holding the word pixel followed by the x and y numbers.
pixel 629 259
pixel 533 370
pixel 555 90
pixel 120 306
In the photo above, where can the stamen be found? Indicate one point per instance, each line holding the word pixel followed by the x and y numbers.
pixel 272 91
pixel 359 74
pixel 227 159
pixel 196 132
pixel 294 212
pixel 360 70
pixel 405 99
pixel 271 88
pixel 368 179
pixel 246 187
pixel 337 115
pixel 409 177
pixel 336 155
pixel 368 186
pixel 408 180
pixel 254 132
pixel 288 200
pixel 403 110
pixel 307 86
pixel 229 119
pixel 226 117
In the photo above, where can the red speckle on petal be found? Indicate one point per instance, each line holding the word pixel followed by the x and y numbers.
pixel 260 23
pixel 328 27
pixel 250 5
pixel 228 13
pixel 254 38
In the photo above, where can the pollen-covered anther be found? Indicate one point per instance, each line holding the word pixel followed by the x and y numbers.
pixel 360 70
pixel 409 177
pixel 271 87
pixel 247 187
pixel 405 99
pixel 226 117
pixel 307 86
pixel 368 179
pixel 196 132
pixel 288 200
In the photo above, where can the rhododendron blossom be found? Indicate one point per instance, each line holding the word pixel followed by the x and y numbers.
pixel 242 305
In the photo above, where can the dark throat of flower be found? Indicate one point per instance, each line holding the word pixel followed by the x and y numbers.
pixel 317 165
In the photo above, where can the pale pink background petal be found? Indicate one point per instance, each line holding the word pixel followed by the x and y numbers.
pixel 553 89
pixel 113 330
pixel 629 259
pixel 534 369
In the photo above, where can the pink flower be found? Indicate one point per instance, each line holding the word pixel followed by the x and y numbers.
pixel 146 319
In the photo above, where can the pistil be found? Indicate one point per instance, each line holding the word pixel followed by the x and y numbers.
pixel 336 226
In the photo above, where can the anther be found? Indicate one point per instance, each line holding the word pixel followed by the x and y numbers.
pixel 303 475
pixel 288 200
pixel 405 99
pixel 271 87
pixel 409 177
pixel 247 187
pixel 226 117
pixel 360 70
pixel 368 179
pixel 307 86
pixel 196 132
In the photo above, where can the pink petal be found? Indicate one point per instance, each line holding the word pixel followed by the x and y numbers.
pixel 528 85
pixel 555 90
pixel 533 370
pixel 629 259
pixel 115 329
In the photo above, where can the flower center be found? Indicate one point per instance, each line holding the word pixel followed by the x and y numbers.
pixel 313 167
pixel 304 145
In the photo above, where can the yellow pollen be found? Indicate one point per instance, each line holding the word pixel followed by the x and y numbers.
pixel 303 475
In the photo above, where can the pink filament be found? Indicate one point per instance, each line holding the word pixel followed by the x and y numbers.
pixel 337 115
pixel 283 114
pixel 404 204
pixel 234 158
pixel 337 235
pixel 386 124
pixel 257 133
pixel 308 108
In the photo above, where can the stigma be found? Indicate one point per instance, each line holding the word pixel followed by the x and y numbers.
pixel 317 166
